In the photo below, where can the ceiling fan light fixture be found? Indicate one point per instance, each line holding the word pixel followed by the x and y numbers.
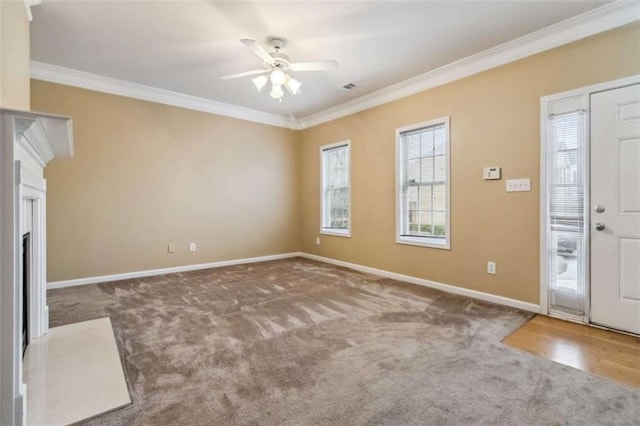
pixel 260 81
pixel 276 91
pixel 293 85
pixel 275 66
pixel 278 77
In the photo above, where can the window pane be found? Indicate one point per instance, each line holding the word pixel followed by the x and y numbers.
pixel 440 197
pixel 339 208
pixel 425 223
pixel 426 144
pixel 412 195
pixel 413 146
pixel 440 168
pixel 439 224
pixel 332 160
pixel 440 143
pixel 425 197
pixel 426 169
pixel 413 171
pixel 411 220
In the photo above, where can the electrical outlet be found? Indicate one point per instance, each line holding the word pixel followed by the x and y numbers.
pixel 171 248
pixel 491 268
pixel 192 247
pixel 317 241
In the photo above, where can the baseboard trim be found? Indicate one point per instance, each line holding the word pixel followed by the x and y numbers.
pixel 151 272
pixel 487 297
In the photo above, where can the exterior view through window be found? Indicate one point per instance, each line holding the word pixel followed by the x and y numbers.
pixel 336 191
pixel 566 206
pixel 423 184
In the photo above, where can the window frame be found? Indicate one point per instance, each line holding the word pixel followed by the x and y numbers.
pixel 333 231
pixel 429 242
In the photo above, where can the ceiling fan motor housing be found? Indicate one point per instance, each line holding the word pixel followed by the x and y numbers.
pixel 281 61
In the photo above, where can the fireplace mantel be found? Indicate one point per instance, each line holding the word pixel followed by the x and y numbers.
pixel 28 141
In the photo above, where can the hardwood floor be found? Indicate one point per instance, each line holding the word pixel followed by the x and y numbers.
pixel 603 353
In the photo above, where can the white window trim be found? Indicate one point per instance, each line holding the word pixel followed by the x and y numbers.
pixel 423 241
pixel 559 103
pixel 325 231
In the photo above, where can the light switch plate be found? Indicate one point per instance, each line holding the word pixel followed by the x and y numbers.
pixel 519 185
pixel 491 173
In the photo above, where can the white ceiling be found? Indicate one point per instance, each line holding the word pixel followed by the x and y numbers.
pixel 186 46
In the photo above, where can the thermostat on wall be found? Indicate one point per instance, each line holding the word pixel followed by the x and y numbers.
pixel 491 173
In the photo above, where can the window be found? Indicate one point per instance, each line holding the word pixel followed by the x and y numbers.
pixel 336 190
pixel 423 184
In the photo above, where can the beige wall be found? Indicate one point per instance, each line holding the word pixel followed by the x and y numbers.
pixel 14 55
pixel 145 175
pixel 494 122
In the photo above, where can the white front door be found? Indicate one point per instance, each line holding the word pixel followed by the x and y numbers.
pixel 615 208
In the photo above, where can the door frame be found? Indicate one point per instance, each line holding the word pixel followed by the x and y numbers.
pixel 549 104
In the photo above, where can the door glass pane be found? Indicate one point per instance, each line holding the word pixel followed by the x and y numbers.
pixel 566 213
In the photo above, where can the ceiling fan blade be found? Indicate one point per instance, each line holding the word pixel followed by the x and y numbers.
pixel 314 66
pixel 258 50
pixel 244 74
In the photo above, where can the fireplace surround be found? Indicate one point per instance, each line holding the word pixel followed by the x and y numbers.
pixel 28 141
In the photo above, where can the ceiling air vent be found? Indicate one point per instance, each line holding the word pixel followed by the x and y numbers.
pixel 349 86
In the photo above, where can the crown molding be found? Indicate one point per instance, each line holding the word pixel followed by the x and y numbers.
pixel 593 22
pixel 28 4
pixel 85 80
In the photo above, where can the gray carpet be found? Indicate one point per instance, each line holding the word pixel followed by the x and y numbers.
pixel 301 342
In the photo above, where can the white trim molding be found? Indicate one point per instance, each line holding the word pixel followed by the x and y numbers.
pixel 28 4
pixel 70 77
pixel 487 297
pixel 172 270
pixel 593 22
pixel 604 18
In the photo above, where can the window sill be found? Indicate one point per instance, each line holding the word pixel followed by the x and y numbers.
pixel 336 233
pixel 425 242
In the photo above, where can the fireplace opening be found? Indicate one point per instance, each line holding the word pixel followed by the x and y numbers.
pixel 26 268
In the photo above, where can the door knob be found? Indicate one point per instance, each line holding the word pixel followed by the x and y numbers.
pixel 599 209
pixel 600 226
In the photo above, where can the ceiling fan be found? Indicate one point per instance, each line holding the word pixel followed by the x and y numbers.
pixel 275 66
